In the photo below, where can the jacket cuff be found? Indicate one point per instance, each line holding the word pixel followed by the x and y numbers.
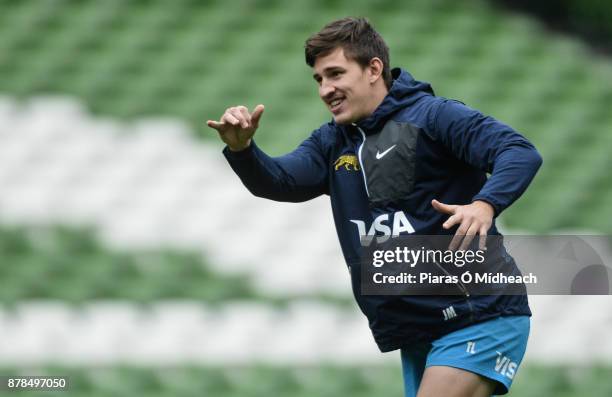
pixel 497 207
pixel 240 155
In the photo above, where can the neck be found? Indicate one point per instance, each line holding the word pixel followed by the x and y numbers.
pixel 378 95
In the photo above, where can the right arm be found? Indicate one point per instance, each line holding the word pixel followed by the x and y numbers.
pixel 297 176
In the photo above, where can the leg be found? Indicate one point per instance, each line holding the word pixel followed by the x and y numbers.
pixel 478 360
pixel 454 382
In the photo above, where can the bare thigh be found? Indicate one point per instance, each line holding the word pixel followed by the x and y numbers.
pixel 441 381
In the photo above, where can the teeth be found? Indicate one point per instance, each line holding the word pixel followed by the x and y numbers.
pixel 335 102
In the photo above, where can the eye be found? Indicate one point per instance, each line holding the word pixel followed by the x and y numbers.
pixel 336 74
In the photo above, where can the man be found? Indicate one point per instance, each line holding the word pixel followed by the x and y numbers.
pixel 396 154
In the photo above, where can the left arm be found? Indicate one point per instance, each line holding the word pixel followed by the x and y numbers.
pixel 493 147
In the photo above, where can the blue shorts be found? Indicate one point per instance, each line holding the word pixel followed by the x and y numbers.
pixel 493 349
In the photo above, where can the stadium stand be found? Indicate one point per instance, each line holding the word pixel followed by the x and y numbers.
pixel 186 59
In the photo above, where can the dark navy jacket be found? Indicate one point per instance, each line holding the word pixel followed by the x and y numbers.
pixel 442 149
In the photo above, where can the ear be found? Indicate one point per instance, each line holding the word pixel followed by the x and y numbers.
pixel 375 69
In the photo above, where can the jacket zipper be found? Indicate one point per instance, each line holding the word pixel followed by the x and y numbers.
pixel 365 181
pixel 463 289
pixel 461 286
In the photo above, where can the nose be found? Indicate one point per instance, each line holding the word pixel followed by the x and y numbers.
pixel 326 90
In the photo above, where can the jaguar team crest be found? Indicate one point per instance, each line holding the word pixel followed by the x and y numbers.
pixel 347 161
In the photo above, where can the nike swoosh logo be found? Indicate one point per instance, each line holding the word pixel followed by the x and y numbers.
pixel 381 155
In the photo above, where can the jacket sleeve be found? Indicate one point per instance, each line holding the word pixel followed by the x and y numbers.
pixel 490 146
pixel 297 176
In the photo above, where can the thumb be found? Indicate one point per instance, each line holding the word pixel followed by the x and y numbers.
pixel 214 124
pixel 256 115
pixel 443 208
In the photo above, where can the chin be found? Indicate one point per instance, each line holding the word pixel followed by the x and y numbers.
pixel 343 119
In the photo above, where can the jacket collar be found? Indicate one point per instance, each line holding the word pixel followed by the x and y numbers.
pixel 405 91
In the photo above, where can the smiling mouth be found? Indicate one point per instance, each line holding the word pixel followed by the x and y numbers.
pixel 335 104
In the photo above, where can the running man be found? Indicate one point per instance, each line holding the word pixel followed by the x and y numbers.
pixel 396 155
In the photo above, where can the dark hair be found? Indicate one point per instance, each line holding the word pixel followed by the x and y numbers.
pixel 357 38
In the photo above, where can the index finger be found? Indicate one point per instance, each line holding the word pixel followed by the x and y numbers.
pixel 459 236
pixel 469 236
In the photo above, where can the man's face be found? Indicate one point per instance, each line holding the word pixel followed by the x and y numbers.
pixel 344 87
